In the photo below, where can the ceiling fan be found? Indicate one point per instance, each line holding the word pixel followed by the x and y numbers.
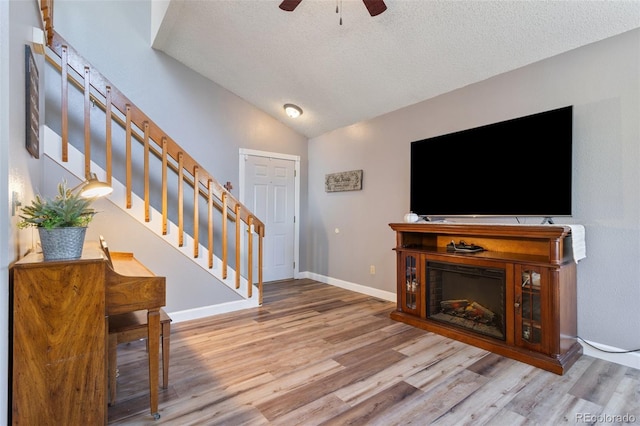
pixel 375 7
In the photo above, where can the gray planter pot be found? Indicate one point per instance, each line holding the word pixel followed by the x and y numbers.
pixel 62 243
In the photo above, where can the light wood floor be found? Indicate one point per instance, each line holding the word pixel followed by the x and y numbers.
pixel 316 354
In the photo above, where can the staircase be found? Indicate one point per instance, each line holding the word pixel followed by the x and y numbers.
pixel 154 179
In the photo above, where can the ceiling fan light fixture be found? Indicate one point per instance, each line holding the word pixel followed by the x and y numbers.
pixel 293 111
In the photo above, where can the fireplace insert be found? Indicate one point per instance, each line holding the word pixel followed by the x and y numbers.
pixel 469 297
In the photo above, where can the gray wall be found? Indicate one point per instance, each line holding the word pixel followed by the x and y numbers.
pixel 222 123
pixel 600 80
pixel 208 121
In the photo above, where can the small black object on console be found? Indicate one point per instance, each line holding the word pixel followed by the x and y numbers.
pixel 463 247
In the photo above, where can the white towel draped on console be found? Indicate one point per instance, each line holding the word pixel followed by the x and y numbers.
pixel 578 242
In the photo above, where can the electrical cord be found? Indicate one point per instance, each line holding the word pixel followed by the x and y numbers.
pixel 604 350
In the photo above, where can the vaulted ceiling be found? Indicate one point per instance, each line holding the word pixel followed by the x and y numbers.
pixel 368 66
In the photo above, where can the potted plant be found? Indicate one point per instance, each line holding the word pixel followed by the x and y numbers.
pixel 61 221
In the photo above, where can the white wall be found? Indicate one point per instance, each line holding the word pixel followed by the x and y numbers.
pixel 4 209
pixel 18 170
pixel 600 80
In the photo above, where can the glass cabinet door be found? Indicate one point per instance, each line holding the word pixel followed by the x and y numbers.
pixel 411 291
pixel 528 306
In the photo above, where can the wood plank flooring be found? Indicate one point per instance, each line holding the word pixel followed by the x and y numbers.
pixel 316 354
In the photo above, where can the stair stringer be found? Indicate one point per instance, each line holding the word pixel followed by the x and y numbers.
pixel 75 166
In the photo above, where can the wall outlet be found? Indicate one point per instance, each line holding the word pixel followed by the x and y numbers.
pixel 372 269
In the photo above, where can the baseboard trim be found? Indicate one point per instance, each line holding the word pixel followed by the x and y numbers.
pixel 206 311
pixel 629 359
pixel 358 288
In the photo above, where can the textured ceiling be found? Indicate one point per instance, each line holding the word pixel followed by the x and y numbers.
pixel 368 66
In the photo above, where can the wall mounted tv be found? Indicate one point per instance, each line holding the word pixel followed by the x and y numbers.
pixel 518 167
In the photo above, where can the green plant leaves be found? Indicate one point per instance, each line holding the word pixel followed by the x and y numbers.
pixel 67 209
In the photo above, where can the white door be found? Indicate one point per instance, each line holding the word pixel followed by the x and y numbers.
pixel 270 194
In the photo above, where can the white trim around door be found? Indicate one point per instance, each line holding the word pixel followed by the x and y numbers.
pixel 242 194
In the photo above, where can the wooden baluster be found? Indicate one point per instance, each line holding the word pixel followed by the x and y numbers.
pixel 46 7
pixel 249 257
pixel 224 235
pixel 210 220
pixel 165 209
pixel 236 211
pixel 260 236
pixel 135 117
pixel 147 202
pixel 65 104
pixel 196 218
pixel 46 18
pixel 180 199
pixel 128 154
pixel 108 143
pixel 87 123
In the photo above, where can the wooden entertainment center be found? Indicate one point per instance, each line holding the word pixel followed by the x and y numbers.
pixel 532 268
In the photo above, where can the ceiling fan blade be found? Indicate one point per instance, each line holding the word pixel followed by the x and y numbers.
pixel 289 5
pixel 375 7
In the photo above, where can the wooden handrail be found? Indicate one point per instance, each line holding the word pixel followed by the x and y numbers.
pixel 97 90
pixel 111 117
pixel 99 83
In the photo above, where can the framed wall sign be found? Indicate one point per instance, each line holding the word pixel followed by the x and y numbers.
pixel 32 102
pixel 343 181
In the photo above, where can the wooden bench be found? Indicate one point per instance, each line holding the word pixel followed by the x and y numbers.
pixel 131 287
pixel 129 327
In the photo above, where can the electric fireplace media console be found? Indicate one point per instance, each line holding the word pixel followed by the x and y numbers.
pixel 516 298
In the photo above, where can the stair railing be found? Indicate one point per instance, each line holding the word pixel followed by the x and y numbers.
pixel 97 90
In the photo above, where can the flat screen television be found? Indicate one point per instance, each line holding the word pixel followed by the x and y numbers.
pixel 518 167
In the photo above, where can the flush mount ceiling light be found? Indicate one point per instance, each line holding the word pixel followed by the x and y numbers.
pixel 293 111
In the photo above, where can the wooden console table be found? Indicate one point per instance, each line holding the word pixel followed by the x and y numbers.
pixel 540 319
pixel 59 334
